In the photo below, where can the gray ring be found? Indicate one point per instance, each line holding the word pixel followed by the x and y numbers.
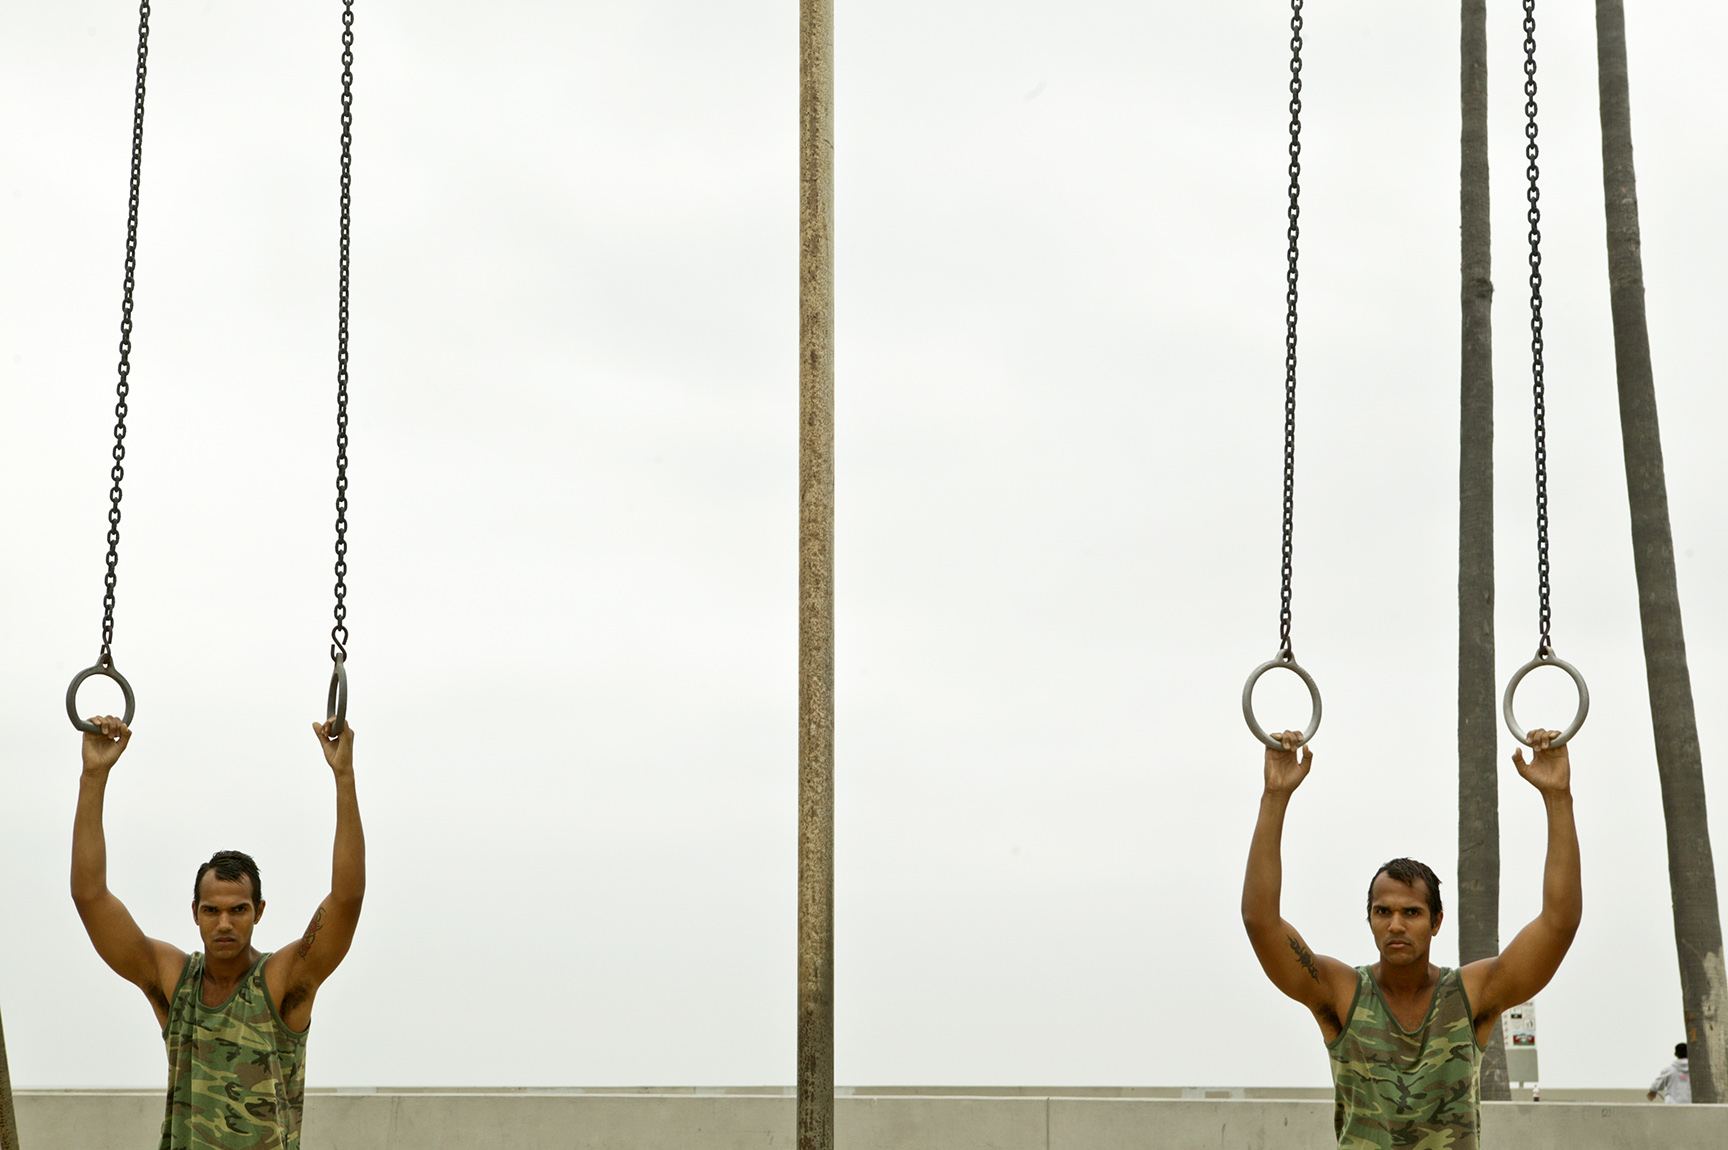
pixel 1546 658
pixel 336 700
pixel 104 667
pixel 1289 663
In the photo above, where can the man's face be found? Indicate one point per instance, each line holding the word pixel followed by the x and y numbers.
pixel 1398 914
pixel 226 914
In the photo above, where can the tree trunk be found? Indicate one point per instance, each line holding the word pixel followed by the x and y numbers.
pixel 1679 763
pixel 8 1116
pixel 1478 778
pixel 815 1105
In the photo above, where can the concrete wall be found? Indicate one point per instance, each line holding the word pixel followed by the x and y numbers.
pixel 521 1120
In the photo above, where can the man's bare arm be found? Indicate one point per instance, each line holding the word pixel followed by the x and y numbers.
pixel 147 963
pixel 1525 966
pixel 1322 984
pixel 305 965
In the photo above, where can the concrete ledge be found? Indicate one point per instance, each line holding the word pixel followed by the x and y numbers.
pixel 763 1120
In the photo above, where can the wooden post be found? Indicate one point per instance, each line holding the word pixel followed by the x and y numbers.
pixel 8 1116
pixel 816 575
pixel 1478 717
pixel 1679 760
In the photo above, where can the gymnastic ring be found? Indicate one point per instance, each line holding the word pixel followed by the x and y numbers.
pixel 104 667
pixel 336 700
pixel 1545 657
pixel 1288 662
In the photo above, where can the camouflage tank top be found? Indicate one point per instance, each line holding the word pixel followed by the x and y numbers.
pixel 1400 1088
pixel 236 1073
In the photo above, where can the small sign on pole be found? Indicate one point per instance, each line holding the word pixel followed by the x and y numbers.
pixel 1519 1027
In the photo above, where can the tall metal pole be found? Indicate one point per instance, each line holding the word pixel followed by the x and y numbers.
pixel 8 1116
pixel 1679 759
pixel 816 575
pixel 1478 723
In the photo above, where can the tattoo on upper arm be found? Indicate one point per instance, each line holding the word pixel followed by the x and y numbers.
pixel 312 929
pixel 1303 956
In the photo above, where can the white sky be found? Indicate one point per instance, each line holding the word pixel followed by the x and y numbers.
pixel 573 531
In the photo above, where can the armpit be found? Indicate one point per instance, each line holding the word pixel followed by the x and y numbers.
pixel 295 996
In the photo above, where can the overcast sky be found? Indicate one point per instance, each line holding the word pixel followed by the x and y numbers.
pixel 573 525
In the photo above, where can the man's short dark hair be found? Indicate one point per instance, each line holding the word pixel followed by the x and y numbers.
pixel 1408 871
pixel 230 866
pixel 1680 1050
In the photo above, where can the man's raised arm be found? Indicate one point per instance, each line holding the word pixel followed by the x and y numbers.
pixel 297 972
pixel 1525 966
pixel 1316 981
pixel 148 964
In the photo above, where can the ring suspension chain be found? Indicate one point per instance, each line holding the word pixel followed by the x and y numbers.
pixel 1538 384
pixel 124 387
pixel 339 632
pixel 1285 659
pixel 1294 232
pixel 1545 656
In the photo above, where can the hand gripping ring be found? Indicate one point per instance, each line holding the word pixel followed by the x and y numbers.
pixel 104 667
pixel 1545 657
pixel 336 701
pixel 1288 662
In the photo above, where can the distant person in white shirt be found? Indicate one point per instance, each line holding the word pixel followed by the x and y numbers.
pixel 1672 1084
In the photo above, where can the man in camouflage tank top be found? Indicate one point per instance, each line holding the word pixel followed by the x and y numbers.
pixel 234 1019
pixel 1405 1036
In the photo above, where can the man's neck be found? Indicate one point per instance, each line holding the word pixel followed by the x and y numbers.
pixel 229 971
pixel 1413 978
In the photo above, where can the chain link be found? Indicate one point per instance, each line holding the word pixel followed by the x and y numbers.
pixel 1294 231
pixel 339 632
pixel 124 387
pixel 1535 218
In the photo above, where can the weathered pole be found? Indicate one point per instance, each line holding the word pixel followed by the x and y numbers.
pixel 1478 770
pixel 8 1116
pixel 816 575
pixel 1679 762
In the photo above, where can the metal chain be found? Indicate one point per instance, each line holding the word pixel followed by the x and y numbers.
pixel 339 632
pixel 1294 231
pixel 1535 217
pixel 124 387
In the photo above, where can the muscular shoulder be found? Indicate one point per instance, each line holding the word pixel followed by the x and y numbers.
pixel 279 971
pixel 171 964
pixel 1474 979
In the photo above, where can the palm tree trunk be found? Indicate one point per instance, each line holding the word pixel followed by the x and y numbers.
pixel 1679 763
pixel 8 1117
pixel 815 1108
pixel 1478 779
